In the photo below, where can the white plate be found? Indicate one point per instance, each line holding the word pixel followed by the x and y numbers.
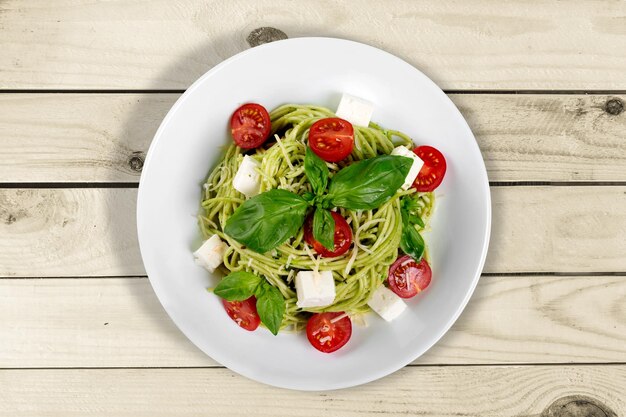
pixel 310 70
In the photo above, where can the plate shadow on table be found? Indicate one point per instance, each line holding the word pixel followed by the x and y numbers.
pixel 142 119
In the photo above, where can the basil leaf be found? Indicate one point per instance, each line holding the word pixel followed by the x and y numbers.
pixel 309 197
pixel 267 220
pixel 412 243
pixel 410 204
pixel 408 209
pixel 316 171
pixel 368 184
pixel 237 286
pixel 270 305
pixel 415 219
pixel 324 228
pixel 404 213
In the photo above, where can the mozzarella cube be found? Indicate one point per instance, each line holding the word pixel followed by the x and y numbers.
pixel 211 254
pixel 386 303
pixel 315 289
pixel 247 180
pixel 415 168
pixel 355 110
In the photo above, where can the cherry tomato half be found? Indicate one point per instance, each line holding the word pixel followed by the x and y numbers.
pixel 343 237
pixel 327 335
pixel 243 313
pixel 433 170
pixel 250 126
pixel 407 277
pixel 331 139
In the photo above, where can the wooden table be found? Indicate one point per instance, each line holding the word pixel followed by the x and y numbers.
pixel 85 85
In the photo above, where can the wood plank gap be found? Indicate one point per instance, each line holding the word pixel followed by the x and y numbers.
pixel 553 274
pixel 483 275
pixel 514 364
pixel 180 91
pixel 86 368
pixel 78 277
pixel 88 91
pixel 542 92
pixel 410 365
pixel 556 183
pixel 60 185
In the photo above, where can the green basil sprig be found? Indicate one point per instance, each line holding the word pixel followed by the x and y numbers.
pixel 411 241
pixel 270 218
pixel 267 220
pixel 367 184
pixel 316 171
pixel 270 304
pixel 410 208
pixel 237 286
pixel 324 228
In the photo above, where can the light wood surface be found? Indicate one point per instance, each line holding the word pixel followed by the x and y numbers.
pixel 89 44
pixel 118 322
pixel 77 137
pixel 94 138
pixel 84 85
pixel 68 232
pixel 548 137
pixel 92 231
pixel 428 391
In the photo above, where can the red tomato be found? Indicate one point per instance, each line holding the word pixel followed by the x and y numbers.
pixel 243 313
pixel 250 126
pixel 433 170
pixel 328 336
pixel 343 237
pixel 331 139
pixel 407 277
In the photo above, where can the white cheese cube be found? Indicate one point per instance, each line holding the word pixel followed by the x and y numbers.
pixel 386 303
pixel 247 180
pixel 315 289
pixel 211 254
pixel 415 168
pixel 355 110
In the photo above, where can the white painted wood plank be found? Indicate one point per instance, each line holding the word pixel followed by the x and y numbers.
pixel 557 229
pixel 93 138
pixel 77 137
pixel 118 322
pixel 89 322
pixel 89 44
pixel 91 232
pixel 68 232
pixel 548 137
pixel 429 391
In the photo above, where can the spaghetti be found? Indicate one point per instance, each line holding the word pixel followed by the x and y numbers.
pixel 377 232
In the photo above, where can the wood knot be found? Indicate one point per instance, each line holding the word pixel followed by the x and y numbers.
pixel 266 34
pixel 577 406
pixel 136 163
pixel 614 106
